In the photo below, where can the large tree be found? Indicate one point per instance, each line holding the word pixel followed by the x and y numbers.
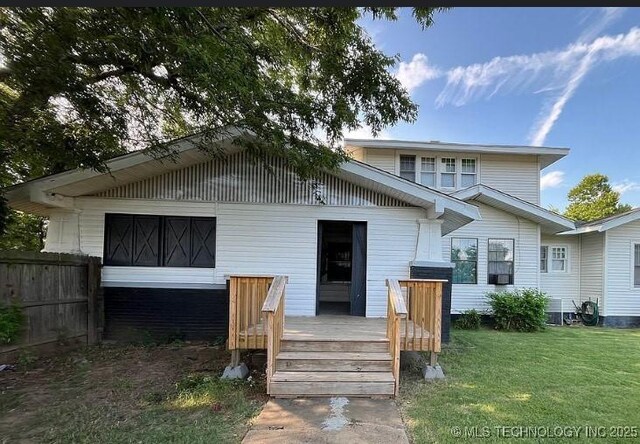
pixel 593 198
pixel 80 85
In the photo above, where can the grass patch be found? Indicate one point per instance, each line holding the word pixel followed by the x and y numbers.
pixel 129 394
pixel 558 377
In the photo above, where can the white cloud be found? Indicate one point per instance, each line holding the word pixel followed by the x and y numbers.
pixel 414 73
pixel 364 132
pixel 558 72
pixel 626 186
pixel 552 179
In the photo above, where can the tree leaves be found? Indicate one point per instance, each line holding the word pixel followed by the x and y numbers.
pixel 593 198
pixel 82 85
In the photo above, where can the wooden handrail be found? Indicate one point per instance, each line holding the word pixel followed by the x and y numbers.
pixel 273 309
pixel 395 297
pixel 276 291
pixel 396 310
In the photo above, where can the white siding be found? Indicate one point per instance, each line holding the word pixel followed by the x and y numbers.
pixel 383 159
pixel 591 267
pixel 621 298
pixel 518 175
pixel 495 224
pixel 269 239
pixel 563 285
pixel 515 175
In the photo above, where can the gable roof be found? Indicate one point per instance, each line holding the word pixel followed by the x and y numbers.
pixel 549 221
pixel 606 223
pixel 547 155
pixel 58 190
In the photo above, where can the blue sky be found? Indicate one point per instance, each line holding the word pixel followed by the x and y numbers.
pixel 566 77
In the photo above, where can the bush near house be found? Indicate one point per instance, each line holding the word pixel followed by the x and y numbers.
pixel 469 320
pixel 520 310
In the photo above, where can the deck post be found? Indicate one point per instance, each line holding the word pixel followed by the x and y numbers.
pixel 433 359
pixel 235 357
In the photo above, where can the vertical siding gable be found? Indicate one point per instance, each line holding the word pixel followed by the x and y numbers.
pixel 240 178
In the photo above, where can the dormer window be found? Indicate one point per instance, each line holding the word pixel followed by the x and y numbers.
pixel 448 174
pixel 408 167
pixel 468 173
pixel 428 171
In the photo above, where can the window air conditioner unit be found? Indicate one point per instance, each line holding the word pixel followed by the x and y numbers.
pixel 502 279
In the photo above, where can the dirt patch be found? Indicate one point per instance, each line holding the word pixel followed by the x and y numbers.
pixel 105 392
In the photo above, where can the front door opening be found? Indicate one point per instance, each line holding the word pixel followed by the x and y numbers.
pixel 341 268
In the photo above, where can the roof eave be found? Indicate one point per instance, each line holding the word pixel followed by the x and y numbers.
pixel 550 222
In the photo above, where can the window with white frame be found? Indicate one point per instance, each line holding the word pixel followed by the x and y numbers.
pixel 464 255
pixel 544 257
pixel 448 172
pixel 636 265
pixel 468 173
pixel 408 167
pixel 559 259
pixel 500 266
pixel 428 171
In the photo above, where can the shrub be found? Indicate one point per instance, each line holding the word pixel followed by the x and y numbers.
pixel 520 309
pixel 469 320
pixel 11 320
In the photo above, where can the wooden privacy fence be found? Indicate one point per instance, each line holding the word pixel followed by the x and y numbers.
pixel 59 295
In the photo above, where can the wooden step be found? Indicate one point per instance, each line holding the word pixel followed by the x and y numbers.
pixel 332 377
pixel 333 361
pixel 377 346
pixel 355 389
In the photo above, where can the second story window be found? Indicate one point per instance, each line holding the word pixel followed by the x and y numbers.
pixel 448 172
pixel 428 171
pixel 468 173
pixel 408 167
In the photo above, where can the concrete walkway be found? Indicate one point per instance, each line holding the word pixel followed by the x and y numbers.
pixel 328 420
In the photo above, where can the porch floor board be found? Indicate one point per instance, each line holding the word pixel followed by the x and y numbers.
pixel 337 328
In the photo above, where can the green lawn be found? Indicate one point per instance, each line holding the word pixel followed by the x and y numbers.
pixel 562 377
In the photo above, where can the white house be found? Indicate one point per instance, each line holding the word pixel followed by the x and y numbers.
pixel 170 233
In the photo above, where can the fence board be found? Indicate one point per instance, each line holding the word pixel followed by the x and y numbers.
pixel 59 294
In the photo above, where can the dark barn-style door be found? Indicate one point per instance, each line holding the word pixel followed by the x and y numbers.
pixel 359 270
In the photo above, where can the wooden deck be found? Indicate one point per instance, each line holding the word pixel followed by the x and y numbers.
pixel 328 328
pixel 333 354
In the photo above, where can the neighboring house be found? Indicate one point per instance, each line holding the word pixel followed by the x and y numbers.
pixel 171 233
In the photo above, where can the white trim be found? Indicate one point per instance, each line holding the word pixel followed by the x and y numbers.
pixel 116 164
pixel 608 224
pixel 547 155
pixel 412 189
pixel 536 213
pixel 432 264
pixel 418 155
pixel 550 270
pixel 632 262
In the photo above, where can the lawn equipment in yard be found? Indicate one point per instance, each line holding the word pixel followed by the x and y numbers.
pixel 587 313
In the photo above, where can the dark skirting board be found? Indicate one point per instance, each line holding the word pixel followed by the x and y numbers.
pixel 165 314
